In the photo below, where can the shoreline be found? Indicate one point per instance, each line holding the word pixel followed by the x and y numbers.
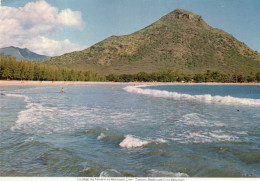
pixel 42 83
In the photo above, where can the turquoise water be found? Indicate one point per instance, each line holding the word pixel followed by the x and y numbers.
pixel 124 130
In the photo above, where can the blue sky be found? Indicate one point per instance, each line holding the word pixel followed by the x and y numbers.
pixel 95 20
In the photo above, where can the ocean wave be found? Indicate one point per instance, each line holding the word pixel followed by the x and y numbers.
pixel 30 139
pixel 106 135
pixel 96 131
pixel 160 140
pixel 90 172
pixel 32 117
pixel 110 173
pixel 198 120
pixel 101 136
pixel 26 98
pixel 223 137
pixel 37 118
pixel 201 98
pixel 158 173
pixel 131 141
pixel 28 118
pixel 204 137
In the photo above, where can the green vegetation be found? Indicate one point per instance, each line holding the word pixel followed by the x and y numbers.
pixel 173 76
pixel 10 69
pixel 180 41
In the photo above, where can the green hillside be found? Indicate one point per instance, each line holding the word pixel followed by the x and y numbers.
pixel 179 41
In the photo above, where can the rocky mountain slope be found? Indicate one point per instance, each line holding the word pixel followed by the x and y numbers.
pixel 181 40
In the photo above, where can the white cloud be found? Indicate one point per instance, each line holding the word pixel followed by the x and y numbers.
pixel 29 26
pixel 52 47
pixel 70 18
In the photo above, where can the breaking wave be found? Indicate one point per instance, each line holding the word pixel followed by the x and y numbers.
pixel 26 98
pixel 204 137
pixel 158 173
pixel 110 173
pixel 135 142
pixel 101 136
pixel 201 98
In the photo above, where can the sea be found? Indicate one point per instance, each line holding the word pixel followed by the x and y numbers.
pixel 126 130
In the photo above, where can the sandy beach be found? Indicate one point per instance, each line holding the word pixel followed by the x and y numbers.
pixel 42 83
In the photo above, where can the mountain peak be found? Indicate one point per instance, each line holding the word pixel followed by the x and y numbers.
pixel 181 14
pixel 179 40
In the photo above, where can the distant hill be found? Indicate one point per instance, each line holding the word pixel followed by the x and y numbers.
pixel 21 54
pixel 181 40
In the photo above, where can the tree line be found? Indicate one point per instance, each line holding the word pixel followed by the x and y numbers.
pixel 10 69
pixel 175 76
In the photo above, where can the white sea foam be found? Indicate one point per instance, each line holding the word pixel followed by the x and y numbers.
pixel 26 98
pixel 160 140
pixel 40 118
pixel 110 173
pixel 198 138
pixel 240 132
pixel 31 117
pixel 27 118
pixel 133 142
pixel 196 119
pixel 158 173
pixel 223 137
pixel 193 119
pixel 30 139
pixel 101 136
pixel 86 169
pixel 204 137
pixel 201 98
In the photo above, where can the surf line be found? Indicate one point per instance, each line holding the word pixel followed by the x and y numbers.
pixel 207 98
pixel 26 98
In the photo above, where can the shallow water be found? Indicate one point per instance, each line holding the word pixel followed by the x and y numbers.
pixel 123 130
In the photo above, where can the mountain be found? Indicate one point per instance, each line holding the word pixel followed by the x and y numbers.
pixel 21 54
pixel 181 40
